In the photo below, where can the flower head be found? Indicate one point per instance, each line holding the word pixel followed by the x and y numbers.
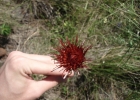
pixel 71 55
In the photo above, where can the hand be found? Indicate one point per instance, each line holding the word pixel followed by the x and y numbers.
pixel 15 80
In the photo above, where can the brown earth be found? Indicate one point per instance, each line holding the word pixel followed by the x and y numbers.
pixel 24 37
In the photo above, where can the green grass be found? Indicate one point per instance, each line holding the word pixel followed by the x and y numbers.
pixel 112 27
pixel 5 29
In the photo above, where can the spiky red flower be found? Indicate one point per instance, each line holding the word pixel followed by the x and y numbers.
pixel 71 55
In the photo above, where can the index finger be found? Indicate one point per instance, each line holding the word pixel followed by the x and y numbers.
pixel 42 58
pixel 38 67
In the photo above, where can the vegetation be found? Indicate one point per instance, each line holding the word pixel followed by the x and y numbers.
pixel 112 27
pixel 5 29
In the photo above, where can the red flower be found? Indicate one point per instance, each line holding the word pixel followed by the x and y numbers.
pixel 71 55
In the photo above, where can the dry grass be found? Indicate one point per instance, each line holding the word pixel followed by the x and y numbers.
pixel 112 27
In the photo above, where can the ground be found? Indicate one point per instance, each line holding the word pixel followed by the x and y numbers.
pixel 110 26
pixel 24 28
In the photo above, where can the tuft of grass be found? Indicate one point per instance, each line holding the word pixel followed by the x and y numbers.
pixel 112 27
pixel 5 29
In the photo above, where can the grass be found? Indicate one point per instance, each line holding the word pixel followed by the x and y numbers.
pixel 5 29
pixel 112 28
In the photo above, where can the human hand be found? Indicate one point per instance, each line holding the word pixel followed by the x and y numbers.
pixel 15 80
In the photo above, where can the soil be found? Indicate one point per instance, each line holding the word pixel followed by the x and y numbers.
pixel 24 28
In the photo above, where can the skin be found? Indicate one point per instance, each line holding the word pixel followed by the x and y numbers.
pixel 15 80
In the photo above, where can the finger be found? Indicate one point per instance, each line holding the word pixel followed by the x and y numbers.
pixel 46 84
pixel 43 58
pixel 46 59
pixel 37 67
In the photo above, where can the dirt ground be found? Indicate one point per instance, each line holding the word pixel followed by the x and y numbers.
pixel 25 28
